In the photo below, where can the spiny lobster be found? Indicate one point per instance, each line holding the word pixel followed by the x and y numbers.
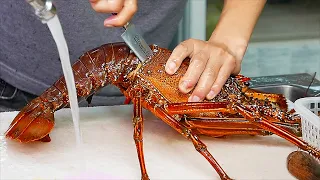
pixel 237 109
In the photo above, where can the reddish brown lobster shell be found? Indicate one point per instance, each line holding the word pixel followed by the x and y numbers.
pixel 237 109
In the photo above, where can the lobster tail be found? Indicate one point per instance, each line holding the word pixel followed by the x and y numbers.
pixel 94 70
pixel 34 122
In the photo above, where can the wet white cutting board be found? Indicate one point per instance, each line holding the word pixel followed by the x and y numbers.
pixel 109 151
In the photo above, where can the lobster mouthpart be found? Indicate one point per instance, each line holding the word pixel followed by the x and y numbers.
pixel 34 122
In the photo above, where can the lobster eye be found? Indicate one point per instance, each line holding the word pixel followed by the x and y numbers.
pixel 247 83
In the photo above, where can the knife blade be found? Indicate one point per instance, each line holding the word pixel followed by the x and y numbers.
pixel 136 42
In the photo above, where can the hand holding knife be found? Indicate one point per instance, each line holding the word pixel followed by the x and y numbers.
pixel 136 42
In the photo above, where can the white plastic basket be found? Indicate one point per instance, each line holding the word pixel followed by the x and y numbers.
pixel 309 109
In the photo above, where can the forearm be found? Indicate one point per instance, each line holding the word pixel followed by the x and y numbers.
pixel 236 24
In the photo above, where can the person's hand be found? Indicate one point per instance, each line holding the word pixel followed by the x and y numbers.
pixel 213 61
pixel 125 10
pixel 210 66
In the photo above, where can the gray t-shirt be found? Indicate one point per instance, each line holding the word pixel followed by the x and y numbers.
pixel 29 59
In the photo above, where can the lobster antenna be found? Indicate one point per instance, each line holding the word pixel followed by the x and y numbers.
pixel 314 75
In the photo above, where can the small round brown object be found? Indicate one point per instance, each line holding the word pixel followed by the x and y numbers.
pixel 303 166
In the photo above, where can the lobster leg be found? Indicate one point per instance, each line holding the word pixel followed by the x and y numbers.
pixel 127 101
pixel 137 135
pixel 258 120
pixel 222 107
pixel 262 122
pixel 187 133
pixel 234 126
pixel 217 127
pixel 196 107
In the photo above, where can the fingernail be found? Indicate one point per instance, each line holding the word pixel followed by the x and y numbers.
pixel 171 66
pixel 108 25
pixel 184 85
pixel 194 99
pixel 211 95
pixel 108 21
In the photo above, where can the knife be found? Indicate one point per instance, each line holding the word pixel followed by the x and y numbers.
pixel 136 42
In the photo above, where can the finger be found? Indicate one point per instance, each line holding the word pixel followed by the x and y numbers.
pixel 209 75
pixel 183 50
pixel 193 73
pixel 107 6
pixel 224 73
pixel 237 69
pixel 130 7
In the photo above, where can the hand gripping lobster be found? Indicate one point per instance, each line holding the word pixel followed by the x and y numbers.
pixel 237 109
